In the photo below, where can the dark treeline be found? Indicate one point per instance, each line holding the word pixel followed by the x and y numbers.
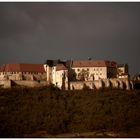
pixel 27 110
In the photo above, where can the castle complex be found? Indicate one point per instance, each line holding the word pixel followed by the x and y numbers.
pixel 66 74
pixel 69 74
pixel 22 72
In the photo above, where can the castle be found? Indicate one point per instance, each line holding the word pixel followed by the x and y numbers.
pixel 22 72
pixel 69 74
pixel 75 74
pixel 30 75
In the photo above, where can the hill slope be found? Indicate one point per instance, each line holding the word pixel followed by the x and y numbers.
pixel 27 110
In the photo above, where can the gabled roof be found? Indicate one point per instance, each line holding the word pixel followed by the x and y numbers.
pixel 22 68
pixel 93 63
pixel 60 67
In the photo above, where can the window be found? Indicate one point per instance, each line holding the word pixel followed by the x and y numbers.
pixel 78 69
pixel 87 69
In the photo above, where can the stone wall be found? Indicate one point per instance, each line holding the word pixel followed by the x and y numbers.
pixel 5 84
pixel 105 83
pixel 29 83
pixel 96 84
pixel 21 76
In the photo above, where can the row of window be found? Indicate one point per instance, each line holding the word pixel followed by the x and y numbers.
pixel 97 73
pixel 18 72
pixel 94 74
pixel 95 69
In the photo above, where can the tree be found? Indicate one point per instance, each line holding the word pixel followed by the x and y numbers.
pixel 83 75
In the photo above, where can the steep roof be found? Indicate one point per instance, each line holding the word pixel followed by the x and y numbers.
pixel 22 68
pixel 93 63
pixel 60 67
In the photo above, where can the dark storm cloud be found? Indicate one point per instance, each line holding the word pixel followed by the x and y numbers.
pixel 34 32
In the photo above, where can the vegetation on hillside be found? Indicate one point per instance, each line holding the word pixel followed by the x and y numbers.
pixel 26 110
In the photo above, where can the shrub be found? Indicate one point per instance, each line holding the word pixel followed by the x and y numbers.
pixel 27 110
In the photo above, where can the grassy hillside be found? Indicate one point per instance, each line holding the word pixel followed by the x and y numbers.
pixel 26 110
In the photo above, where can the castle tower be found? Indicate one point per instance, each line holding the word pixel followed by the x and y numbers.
pixel 48 71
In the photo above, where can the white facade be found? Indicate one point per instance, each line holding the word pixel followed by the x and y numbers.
pixel 92 73
pixel 61 78
pixel 56 77
pixel 122 71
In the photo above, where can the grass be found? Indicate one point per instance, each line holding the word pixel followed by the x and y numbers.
pixel 27 110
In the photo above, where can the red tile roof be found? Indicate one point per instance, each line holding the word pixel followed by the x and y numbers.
pixel 22 68
pixel 93 63
pixel 60 67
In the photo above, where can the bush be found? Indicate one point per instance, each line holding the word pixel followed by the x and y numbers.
pixel 27 110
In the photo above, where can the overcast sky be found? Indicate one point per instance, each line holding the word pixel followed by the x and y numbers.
pixel 34 32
